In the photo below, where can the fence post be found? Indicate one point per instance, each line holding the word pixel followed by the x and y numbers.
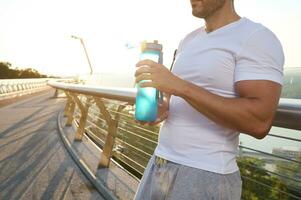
pixel 56 93
pixel 68 104
pixel 112 132
pixel 69 109
pixel 84 109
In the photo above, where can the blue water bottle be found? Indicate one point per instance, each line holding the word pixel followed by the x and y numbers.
pixel 147 98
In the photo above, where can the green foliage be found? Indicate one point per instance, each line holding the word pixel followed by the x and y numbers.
pixel 6 72
pixel 258 183
pixel 292 170
pixel 292 84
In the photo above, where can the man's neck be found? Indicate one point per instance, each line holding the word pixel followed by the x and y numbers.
pixel 221 17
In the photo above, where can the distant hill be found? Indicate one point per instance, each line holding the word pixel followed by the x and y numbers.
pixel 7 72
pixel 292 83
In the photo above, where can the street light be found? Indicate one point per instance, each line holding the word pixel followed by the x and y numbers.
pixel 86 53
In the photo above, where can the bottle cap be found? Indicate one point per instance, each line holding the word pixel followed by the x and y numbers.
pixel 151 46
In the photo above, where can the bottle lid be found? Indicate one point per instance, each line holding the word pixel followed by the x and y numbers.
pixel 151 46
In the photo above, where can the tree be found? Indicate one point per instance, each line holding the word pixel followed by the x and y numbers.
pixel 7 73
pixel 292 172
pixel 258 183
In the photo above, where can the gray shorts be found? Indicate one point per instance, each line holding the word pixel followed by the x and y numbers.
pixel 164 180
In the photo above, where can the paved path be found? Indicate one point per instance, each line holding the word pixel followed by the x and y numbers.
pixel 33 161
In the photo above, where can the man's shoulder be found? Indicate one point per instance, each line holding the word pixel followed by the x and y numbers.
pixel 250 24
pixel 256 32
pixel 250 29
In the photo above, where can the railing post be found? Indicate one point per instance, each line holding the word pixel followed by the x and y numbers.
pixel 1 89
pixel 68 103
pixel 5 89
pixel 112 131
pixel 83 119
pixel 69 109
pixel 56 93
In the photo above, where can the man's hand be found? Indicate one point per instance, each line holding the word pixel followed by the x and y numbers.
pixel 162 79
pixel 158 76
pixel 163 111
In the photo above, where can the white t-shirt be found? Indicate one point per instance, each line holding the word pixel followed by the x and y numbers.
pixel 242 50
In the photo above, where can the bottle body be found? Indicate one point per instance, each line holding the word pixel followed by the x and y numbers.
pixel 147 98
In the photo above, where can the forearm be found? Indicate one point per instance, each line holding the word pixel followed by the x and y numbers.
pixel 241 114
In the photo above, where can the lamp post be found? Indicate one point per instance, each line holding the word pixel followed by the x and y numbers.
pixel 86 53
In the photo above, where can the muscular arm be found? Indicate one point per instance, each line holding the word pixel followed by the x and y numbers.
pixel 252 112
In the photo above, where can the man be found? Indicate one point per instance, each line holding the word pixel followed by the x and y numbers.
pixel 226 80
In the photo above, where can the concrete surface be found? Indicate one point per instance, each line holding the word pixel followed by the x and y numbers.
pixel 33 161
pixel 114 181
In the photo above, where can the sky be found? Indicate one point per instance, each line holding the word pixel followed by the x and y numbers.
pixel 37 33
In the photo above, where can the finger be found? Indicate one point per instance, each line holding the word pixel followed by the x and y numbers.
pixel 160 119
pixel 144 123
pixel 143 70
pixel 147 84
pixel 147 62
pixel 164 115
pixel 140 122
pixel 155 123
pixel 143 77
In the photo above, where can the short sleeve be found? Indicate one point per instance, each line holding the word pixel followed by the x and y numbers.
pixel 261 58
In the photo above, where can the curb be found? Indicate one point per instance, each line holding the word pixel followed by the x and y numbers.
pixel 107 194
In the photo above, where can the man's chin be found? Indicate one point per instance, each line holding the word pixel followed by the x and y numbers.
pixel 198 15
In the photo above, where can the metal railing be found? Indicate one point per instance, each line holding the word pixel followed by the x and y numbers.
pixel 105 114
pixel 14 87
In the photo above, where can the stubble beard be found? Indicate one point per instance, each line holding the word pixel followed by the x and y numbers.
pixel 208 8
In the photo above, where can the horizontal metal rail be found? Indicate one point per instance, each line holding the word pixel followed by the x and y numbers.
pixel 274 173
pixel 288 114
pixel 121 94
pixel 286 138
pixel 270 154
pixel 270 187
pixel 10 86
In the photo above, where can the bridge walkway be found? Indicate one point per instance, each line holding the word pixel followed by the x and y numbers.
pixel 33 161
